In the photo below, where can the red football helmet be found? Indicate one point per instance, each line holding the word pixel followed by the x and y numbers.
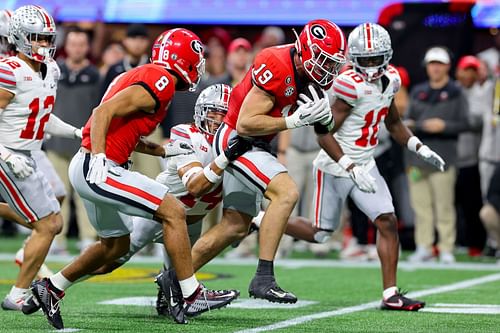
pixel 322 47
pixel 181 51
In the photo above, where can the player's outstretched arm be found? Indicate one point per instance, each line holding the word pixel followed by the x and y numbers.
pixel 150 148
pixel 128 101
pixel 57 127
pixel 403 135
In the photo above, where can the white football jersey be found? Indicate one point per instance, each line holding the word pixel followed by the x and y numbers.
pixel 22 122
pixel 203 154
pixel 358 134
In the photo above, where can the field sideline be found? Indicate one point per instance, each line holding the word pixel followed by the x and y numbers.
pixel 337 297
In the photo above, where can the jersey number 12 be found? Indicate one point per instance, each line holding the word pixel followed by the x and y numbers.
pixel 29 131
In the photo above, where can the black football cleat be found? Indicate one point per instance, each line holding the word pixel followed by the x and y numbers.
pixel 161 304
pixel 265 287
pixel 207 300
pixel 30 305
pixel 49 301
pixel 399 302
pixel 170 288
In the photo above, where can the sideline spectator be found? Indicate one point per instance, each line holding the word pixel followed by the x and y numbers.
pixel 437 114
pixel 490 213
pixel 239 56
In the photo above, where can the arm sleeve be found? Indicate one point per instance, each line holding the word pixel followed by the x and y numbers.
pixel 7 79
pixel 267 72
pixel 344 88
pixel 57 127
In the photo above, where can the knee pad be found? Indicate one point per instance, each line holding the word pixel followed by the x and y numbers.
pixel 322 236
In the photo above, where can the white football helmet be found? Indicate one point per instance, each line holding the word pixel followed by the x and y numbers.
pixel 29 25
pixel 215 98
pixel 370 50
pixel 5 16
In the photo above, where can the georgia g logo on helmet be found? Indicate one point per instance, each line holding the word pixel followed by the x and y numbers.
pixel 196 46
pixel 318 31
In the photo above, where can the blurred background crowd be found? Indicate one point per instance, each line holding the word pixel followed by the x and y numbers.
pixel 450 98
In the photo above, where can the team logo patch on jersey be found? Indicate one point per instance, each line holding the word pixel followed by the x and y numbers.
pixel 318 31
pixel 288 79
pixel 196 46
pixel 289 91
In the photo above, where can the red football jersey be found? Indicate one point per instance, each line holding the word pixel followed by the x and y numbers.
pixel 273 70
pixel 124 132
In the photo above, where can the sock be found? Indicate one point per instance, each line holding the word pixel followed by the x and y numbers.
pixel 389 292
pixel 258 219
pixel 60 282
pixel 265 267
pixel 16 293
pixel 189 286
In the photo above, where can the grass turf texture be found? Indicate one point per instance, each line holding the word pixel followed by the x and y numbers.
pixel 332 288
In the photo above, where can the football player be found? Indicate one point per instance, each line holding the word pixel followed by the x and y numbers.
pixel 346 167
pixel 132 107
pixel 28 83
pixel 259 108
pixel 190 179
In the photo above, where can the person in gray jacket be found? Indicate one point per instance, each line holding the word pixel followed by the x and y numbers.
pixel 437 115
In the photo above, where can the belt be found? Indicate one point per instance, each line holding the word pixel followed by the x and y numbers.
pixel 127 165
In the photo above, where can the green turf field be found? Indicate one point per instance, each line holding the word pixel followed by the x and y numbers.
pixel 346 289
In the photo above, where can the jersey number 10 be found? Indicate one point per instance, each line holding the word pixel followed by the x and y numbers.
pixel 363 141
pixel 29 131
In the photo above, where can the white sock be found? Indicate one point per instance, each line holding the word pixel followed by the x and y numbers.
pixel 60 282
pixel 189 286
pixel 258 219
pixel 16 293
pixel 389 292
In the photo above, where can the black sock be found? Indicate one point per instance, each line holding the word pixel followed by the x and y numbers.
pixel 265 267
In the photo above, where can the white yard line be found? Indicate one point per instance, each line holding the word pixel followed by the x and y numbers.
pixel 370 305
pixel 302 263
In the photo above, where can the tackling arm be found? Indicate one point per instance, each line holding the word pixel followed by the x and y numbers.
pixel 150 148
pixel 57 127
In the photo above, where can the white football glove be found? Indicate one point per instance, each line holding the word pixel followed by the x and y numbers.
pixel 309 111
pixel 363 180
pixel 21 166
pixel 431 157
pixel 174 148
pixel 325 117
pixel 98 169
pixel 78 133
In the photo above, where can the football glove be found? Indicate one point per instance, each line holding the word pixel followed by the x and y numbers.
pixel 20 165
pixel 174 148
pixel 98 169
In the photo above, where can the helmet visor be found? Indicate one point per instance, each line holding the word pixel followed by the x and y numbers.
pixel 323 67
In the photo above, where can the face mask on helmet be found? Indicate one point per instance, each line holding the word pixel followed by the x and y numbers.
pixel 211 107
pixel 370 50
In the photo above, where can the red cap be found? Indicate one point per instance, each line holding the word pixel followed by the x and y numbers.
pixel 468 62
pixel 239 42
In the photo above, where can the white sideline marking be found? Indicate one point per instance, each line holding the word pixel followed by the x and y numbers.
pixel 366 306
pixel 463 308
pixel 137 301
pixel 64 330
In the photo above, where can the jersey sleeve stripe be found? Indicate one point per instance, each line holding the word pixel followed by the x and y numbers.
pixel 177 132
pixel 7 72
pixel 343 93
pixel 345 84
pixel 8 82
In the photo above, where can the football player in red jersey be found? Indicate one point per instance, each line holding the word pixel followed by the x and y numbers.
pixel 133 106
pixel 260 107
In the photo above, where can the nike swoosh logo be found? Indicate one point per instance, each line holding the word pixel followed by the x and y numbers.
pixel 396 305
pixel 172 302
pixel 302 116
pixel 53 307
pixel 277 293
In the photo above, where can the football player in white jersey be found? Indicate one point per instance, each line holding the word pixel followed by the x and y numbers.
pixel 345 166
pixel 28 82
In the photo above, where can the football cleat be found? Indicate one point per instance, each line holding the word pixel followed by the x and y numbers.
pixel 399 302
pixel 12 304
pixel 49 300
pixel 265 287
pixel 30 305
pixel 207 300
pixel 161 303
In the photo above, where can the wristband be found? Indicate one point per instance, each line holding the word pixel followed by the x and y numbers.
pixel 211 175
pixel 221 161
pixel 412 143
pixel 189 173
pixel 345 162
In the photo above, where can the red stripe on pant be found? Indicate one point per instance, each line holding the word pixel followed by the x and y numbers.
pixel 12 191
pixel 247 163
pixel 319 181
pixel 134 190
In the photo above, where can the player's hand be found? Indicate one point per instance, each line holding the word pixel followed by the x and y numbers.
pixel 98 169
pixel 174 148
pixel 363 180
pixel 324 117
pixel 236 147
pixel 21 166
pixel 307 114
pixel 428 155
pixel 78 133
